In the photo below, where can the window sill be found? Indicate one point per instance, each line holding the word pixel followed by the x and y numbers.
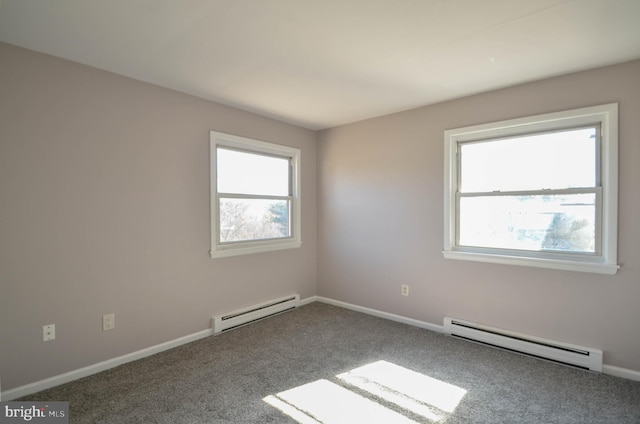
pixel 248 249
pixel 565 265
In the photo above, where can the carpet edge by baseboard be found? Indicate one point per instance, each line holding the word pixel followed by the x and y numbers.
pixel 621 372
pixel 606 369
pixel 120 360
pixel 381 314
pixel 307 300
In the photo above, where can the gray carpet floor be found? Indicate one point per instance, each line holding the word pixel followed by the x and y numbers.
pixel 321 363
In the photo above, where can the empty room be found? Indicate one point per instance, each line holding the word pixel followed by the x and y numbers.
pixel 341 211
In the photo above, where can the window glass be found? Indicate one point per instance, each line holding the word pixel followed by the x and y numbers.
pixel 249 173
pixel 253 219
pixel 553 160
pixel 564 222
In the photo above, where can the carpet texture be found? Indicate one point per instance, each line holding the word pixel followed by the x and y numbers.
pixel 322 363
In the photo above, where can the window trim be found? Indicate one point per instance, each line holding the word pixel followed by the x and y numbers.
pixel 226 249
pixel 606 116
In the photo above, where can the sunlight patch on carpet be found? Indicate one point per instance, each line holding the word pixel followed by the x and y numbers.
pixel 409 389
pixel 326 402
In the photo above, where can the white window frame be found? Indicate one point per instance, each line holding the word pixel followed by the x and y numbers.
pixel 605 260
pixel 220 250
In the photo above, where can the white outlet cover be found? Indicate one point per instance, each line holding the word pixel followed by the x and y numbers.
pixel 108 322
pixel 48 332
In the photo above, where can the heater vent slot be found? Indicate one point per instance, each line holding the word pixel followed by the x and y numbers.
pixel 577 356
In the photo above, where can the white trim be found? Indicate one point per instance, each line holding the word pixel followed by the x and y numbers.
pixel 219 250
pixel 307 300
pixel 621 372
pixel 604 115
pixel 386 315
pixel 532 262
pixel 57 380
pixel 257 247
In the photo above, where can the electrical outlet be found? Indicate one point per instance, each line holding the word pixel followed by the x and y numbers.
pixel 108 322
pixel 48 332
pixel 404 290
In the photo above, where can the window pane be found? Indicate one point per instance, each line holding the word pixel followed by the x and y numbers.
pixel 253 219
pixel 546 222
pixel 555 160
pixel 249 173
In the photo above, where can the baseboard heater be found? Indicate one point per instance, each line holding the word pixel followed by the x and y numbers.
pixel 254 313
pixel 577 356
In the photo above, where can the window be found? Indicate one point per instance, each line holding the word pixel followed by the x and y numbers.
pixel 255 196
pixel 538 191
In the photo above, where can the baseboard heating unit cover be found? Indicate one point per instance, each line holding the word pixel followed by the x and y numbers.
pixel 254 313
pixel 577 356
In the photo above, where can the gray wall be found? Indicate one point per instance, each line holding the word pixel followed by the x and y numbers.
pixel 104 208
pixel 380 211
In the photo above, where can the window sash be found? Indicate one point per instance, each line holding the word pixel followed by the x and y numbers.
pixel 288 199
pixel 524 135
pixel 596 190
pixel 598 224
pixel 288 159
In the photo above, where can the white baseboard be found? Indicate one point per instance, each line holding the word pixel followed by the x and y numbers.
pixel 386 315
pixel 307 300
pixel 143 353
pixel 100 366
pixel 621 372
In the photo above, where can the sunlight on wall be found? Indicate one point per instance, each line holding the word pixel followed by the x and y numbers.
pixel 323 401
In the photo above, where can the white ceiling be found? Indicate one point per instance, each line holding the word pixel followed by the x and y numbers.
pixel 322 63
